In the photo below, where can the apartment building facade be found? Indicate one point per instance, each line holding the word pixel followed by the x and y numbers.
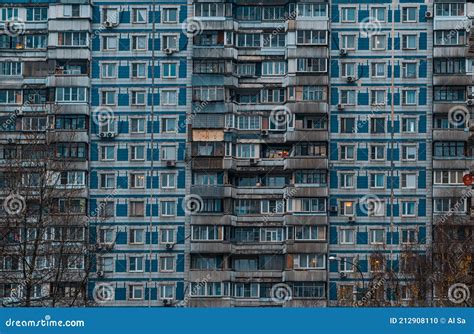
pixel 44 106
pixel 139 100
pixel 297 153
pixel 258 144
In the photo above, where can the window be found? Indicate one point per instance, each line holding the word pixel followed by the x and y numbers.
pixel 109 70
pixel 135 292
pixel 106 264
pixel 71 150
pixel 166 291
pixel 208 93
pixel 137 125
pixel 106 236
pixel 377 236
pixel 72 179
pixel 312 9
pixel 138 98
pixel 110 15
pixel 450 204
pixel 107 181
pixel 307 205
pixel 137 208
pixel 347 152
pixel 167 235
pixel 168 125
pixel 167 264
pixel 170 42
pixel 449 149
pixel 347 236
pixel 138 70
pixel 138 15
pixel 409 124
pixel 206 289
pixel 378 70
pixel 248 122
pixel 348 42
pixel 348 125
pixel 108 98
pixel 311 37
pixel 377 180
pixel 348 14
pixel 409 42
pixel 71 10
pixel 70 94
pixel 408 181
pixel 169 97
pixel 170 15
pixel 347 180
pixel 449 177
pixel 379 42
pixel 109 43
pixel 450 37
pixel 375 208
pixel 409 236
pixel 168 180
pixel 409 70
pixel 314 93
pixel 10 68
pixel 408 209
pixel 34 123
pixel 274 68
pixel 36 14
pixel 168 208
pixel 348 97
pixel 348 70
pixel 139 43
pixel 377 125
pixel 449 66
pixel 137 180
pixel 170 70
pixel 377 97
pixel 107 153
pixel 273 40
pixel 311 261
pixel 315 65
pixel 449 94
pixel 347 208
pixel 449 9
pixel 207 233
pixel 409 14
pixel 346 264
pixel 10 96
pixel 378 14
pixel 137 236
pixel 137 152
pixel 72 38
pixel 135 264
pixel 308 232
pixel 70 123
pixel 409 152
pixel 168 153
pixel 409 97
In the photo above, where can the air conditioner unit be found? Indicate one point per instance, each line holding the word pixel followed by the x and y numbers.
pixel 340 107
pixel 470 102
pixel 11 140
pixel 170 163
pixel 168 51
pixel 100 273
pixel 169 245
pixel 108 24
pixel 108 134
pixel 166 302
pixel 342 274
pixel 343 52
pixel 264 132
pixel 351 79
pixel 351 219
pixel 428 15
